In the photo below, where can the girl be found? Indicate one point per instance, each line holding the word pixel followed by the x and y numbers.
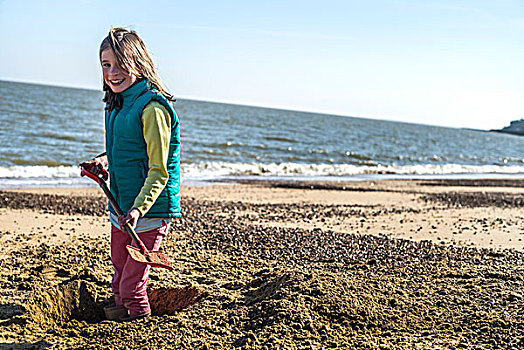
pixel 143 160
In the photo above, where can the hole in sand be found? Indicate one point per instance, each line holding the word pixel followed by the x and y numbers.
pixel 167 301
pixel 81 300
pixel 75 299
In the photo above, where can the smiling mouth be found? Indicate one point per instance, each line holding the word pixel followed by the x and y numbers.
pixel 116 82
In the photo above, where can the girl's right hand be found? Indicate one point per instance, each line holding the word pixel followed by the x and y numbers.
pixel 98 161
pixel 95 164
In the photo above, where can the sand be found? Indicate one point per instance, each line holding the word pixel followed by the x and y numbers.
pixel 278 265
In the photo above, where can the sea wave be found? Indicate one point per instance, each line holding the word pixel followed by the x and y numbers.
pixel 39 171
pixel 42 176
pixel 221 169
pixel 66 176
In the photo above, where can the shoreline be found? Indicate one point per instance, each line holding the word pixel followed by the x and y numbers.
pixel 373 264
pixel 21 180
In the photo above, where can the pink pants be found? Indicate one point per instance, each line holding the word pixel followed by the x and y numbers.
pixel 130 277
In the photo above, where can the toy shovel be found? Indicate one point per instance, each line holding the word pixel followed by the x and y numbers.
pixel 154 258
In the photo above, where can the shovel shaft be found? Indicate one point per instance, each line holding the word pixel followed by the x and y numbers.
pixel 119 212
pixel 140 254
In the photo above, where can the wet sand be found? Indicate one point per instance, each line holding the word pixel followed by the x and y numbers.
pixel 283 265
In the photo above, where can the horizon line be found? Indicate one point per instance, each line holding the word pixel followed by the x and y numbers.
pixel 281 108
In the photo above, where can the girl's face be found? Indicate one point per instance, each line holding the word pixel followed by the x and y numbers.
pixel 114 76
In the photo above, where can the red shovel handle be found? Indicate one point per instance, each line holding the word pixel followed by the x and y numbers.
pixel 99 177
pixel 141 254
pixel 95 172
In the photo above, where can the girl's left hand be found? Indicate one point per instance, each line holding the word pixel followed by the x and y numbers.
pixel 131 217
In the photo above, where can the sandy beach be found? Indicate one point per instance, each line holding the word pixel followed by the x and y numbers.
pixel 411 264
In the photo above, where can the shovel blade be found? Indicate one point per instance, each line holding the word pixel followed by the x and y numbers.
pixel 153 258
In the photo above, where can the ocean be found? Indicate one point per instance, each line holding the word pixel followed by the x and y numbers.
pixel 46 131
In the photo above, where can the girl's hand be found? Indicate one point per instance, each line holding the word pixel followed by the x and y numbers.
pixel 97 166
pixel 98 161
pixel 131 217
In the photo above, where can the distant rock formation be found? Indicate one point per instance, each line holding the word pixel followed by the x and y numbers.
pixel 516 127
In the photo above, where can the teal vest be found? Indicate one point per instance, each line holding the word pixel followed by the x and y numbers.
pixel 127 152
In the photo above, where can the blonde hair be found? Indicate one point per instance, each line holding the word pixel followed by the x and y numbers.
pixel 132 56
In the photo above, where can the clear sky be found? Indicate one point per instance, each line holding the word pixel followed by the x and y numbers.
pixel 441 62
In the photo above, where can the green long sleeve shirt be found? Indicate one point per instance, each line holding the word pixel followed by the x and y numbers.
pixel 156 123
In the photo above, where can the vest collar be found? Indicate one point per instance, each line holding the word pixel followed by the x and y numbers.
pixel 131 94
